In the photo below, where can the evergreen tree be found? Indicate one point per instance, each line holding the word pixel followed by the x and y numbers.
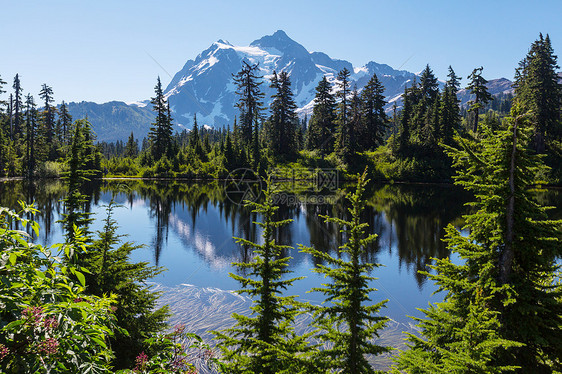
pixel 2 102
pixel 373 114
pixel 265 343
pixel 161 131
pixel 132 147
pixel 110 271
pixel 30 128
pixel 429 85
pixel 478 88
pixel 502 311
pixel 424 122
pixel 348 138
pixel 250 99
pixel 403 140
pixel 322 125
pixel 17 108
pixel 344 130
pixel 282 138
pixel 81 162
pixel 539 91
pixel 65 121
pixel 348 324
pixel 229 152
pixel 195 139
pixel 450 118
pixel 48 114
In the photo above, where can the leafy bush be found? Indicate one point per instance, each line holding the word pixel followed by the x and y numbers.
pixel 47 323
pixel 50 169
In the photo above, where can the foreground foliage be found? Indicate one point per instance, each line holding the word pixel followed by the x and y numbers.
pixel 266 342
pixel 502 310
pixel 346 323
pixel 48 324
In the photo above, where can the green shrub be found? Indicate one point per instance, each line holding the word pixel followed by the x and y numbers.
pixel 47 323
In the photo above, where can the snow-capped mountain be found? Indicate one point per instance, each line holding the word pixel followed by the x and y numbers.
pixel 204 86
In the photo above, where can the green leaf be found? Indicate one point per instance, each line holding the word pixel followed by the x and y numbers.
pixel 13 324
pixel 13 258
pixel 80 277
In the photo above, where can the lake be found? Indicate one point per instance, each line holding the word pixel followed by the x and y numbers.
pixel 189 227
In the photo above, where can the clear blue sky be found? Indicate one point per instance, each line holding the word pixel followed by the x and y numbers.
pixel 99 50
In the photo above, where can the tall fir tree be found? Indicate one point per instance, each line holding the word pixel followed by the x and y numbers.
pixel 48 120
pixel 265 342
pixel 450 118
pixel 373 114
pixel 161 130
pixel 348 325
pixel 30 135
pixel 283 122
pixel 538 90
pixel 17 108
pixel 344 130
pixel 3 103
pixel 132 147
pixel 322 124
pixel 81 163
pixel 65 123
pixel 110 271
pixel 250 100
pixel 502 310
pixel 195 139
pixel 477 87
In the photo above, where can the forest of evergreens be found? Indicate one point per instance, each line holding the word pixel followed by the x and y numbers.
pixel 346 129
pixel 82 306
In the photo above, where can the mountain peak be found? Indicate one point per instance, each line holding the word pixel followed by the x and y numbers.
pixel 280 34
pixel 281 42
pixel 222 41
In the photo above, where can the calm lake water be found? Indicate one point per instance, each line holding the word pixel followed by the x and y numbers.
pixel 188 229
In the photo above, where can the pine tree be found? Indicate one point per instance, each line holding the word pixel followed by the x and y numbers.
pixel 348 323
pixel 110 271
pixel 229 152
pixel 250 101
pixel 30 129
pixel 132 147
pixel 450 118
pixel 373 114
pixel 17 108
pixel 424 122
pixel 478 88
pixel 265 343
pixel 80 162
pixel 161 131
pixel 282 138
pixel 501 310
pixel 538 90
pixel 348 139
pixel 65 120
pixel 403 140
pixel 195 139
pixel 322 125
pixel 343 109
pixel 48 120
pixel 2 102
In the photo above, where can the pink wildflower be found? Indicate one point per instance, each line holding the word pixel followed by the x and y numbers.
pixel 140 362
pixel 3 351
pixel 51 323
pixel 33 314
pixel 49 346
